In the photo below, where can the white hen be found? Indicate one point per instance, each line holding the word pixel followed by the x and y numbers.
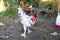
pixel 26 21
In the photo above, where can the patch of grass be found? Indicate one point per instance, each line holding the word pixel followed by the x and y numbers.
pixel 55 14
pixel 13 11
pixel 10 12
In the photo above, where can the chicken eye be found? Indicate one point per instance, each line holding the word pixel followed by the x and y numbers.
pixel 19 14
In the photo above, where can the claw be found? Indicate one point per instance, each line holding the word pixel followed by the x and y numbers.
pixel 23 35
pixel 29 31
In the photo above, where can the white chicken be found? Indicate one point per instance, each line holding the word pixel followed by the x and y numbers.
pixel 26 21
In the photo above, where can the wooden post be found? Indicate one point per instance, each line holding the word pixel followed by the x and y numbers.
pixel 59 7
pixel 55 4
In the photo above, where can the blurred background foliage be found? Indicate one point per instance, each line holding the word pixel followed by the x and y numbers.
pixel 12 5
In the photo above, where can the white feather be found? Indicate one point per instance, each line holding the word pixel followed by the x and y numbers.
pixel 25 20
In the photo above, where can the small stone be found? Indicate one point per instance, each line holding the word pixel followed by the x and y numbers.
pixel 1 23
pixel 54 33
pixel 4 36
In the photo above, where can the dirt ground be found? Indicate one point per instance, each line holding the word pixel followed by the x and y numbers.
pixel 10 30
